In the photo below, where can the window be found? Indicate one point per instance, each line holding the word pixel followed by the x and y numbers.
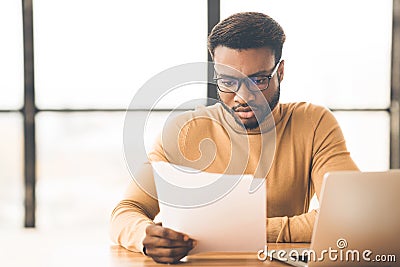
pixel 102 61
pixel 11 54
pixel 86 72
pixel 98 64
pixel 332 60
pixel 11 100
pixel 80 168
pixel 11 177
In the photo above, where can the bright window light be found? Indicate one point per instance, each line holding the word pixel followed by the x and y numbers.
pixel 11 55
pixel 96 54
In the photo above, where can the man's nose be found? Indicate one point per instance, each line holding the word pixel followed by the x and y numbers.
pixel 244 95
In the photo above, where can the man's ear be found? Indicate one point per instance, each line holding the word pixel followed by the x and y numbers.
pixel 281 70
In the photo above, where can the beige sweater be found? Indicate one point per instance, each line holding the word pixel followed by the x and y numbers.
pixel 308 143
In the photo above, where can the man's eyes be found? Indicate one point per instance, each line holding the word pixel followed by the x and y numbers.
pixel 259 80
pixel 228 82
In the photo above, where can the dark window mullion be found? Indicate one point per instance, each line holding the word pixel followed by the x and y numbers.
pixel 213 17
pixel 29 116
pixel 395 89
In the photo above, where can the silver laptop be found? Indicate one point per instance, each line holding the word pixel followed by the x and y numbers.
pixel 358 223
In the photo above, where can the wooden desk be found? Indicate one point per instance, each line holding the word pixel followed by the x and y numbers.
pixel 35 248
pixel 122 257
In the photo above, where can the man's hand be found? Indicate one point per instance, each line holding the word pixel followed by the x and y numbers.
pixel 165 245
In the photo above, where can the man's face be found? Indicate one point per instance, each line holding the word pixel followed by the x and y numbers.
pixel 249 107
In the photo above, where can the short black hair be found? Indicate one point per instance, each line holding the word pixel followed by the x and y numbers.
pixel 248 30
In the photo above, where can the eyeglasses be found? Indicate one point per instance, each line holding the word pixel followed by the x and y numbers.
pixel 229 84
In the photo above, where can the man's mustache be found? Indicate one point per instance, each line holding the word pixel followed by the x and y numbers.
pixel 245 105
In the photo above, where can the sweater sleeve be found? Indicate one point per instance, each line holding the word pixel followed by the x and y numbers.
pixel 139 207
pixel 291 229
pixel 135 212
pixel 329 153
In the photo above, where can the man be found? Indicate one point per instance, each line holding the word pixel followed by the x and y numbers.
pixel 246 50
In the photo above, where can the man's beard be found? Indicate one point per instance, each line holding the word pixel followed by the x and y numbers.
pixel 260 118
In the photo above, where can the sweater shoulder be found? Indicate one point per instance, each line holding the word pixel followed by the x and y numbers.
pixel 303 108
pixel 190 116
pixel 305 112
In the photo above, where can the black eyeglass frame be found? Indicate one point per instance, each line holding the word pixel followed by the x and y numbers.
pixel 245 79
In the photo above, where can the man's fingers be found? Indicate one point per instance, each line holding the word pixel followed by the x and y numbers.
pixel 177 253
pixel 163 232
pixel 155 241
pixel 166 260
pixel 165 245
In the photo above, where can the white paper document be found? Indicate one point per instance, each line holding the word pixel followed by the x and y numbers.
pixel 217 210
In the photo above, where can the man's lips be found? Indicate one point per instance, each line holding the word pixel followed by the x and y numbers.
pixel 244 112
